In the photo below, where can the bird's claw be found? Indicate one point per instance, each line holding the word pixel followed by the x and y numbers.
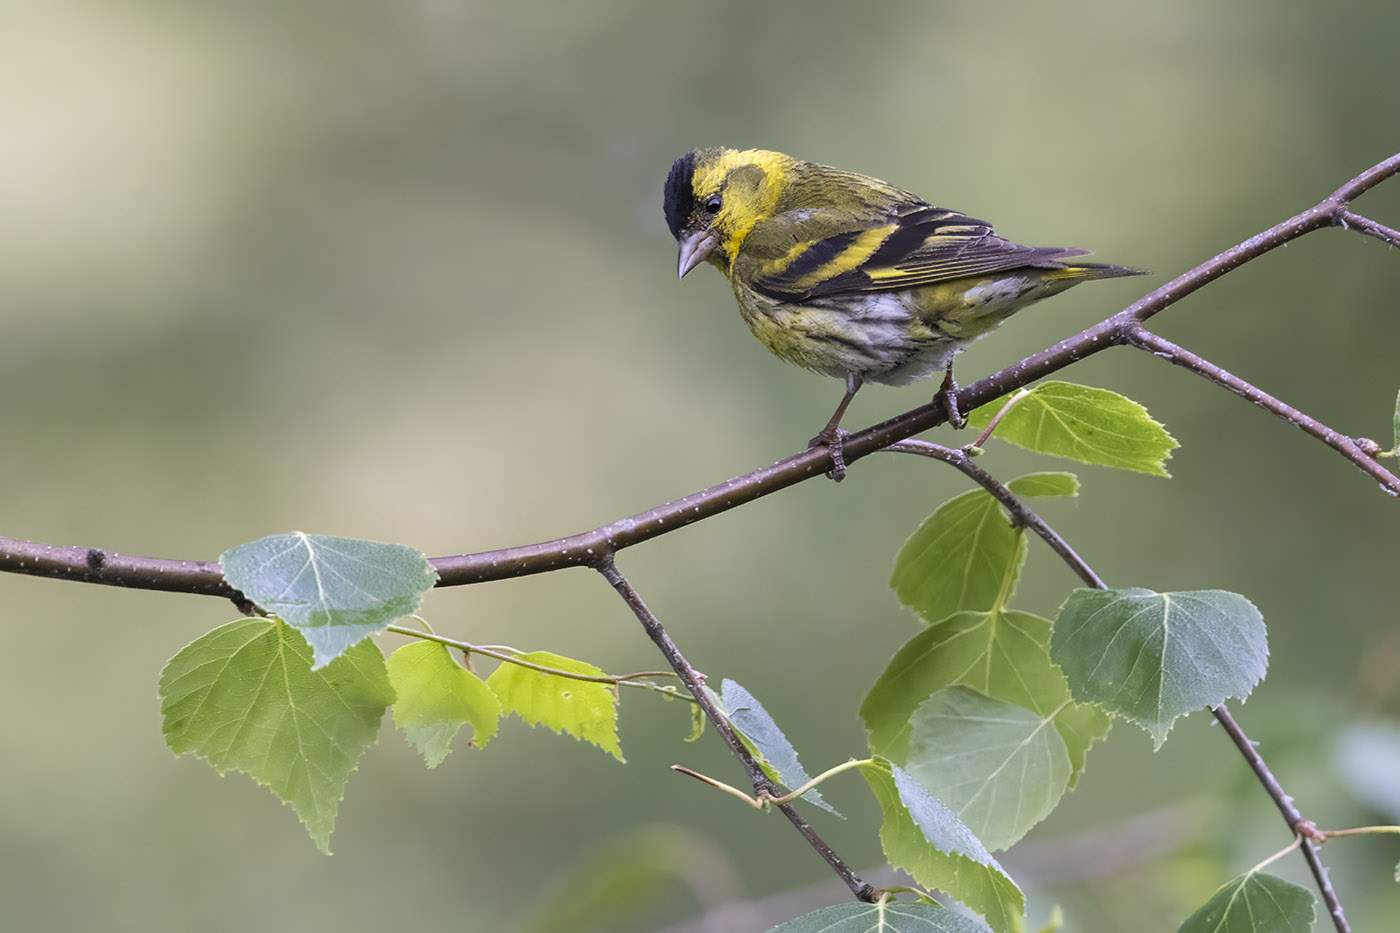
pixel 835 443
pixel 948 394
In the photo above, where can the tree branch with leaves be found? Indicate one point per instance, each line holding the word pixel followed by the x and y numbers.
pixel 986 704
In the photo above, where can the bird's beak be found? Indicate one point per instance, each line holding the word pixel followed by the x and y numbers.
pixel 695 247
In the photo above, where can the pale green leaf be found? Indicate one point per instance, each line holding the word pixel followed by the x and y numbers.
pixel 924 838
pixel 967 553
pixel 245 698
pixel 748 716
pixel 436 696
pixel 335 591
pixel 999 767
pixel 882 917
pixel 1255 903
pixel 1050 483
pixel 1151 657
pixel 582 709
pixel 962 557
pixel 698 722
pixel 1082 423
pixel 1004 655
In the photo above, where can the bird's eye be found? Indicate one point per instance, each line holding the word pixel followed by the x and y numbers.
pixel 712 205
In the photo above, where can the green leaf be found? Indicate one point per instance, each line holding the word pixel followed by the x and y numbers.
pixel 967 553
pixel 1151 657
pixel 1000 767
pixel 436 695
pixel 923 837
pixel 882 917
pixel 335 591
pixel 748 716
pixel 1083 423
pixel 1050 483
pixel 1004 655
pixel 1255 903
pixel 582 709
pixel 245 698
pixel 698 722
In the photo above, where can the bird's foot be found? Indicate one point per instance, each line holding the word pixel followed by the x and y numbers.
pixel 948 395
pixel 834 441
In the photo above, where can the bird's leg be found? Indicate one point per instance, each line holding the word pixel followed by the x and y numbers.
pixel 831 436
pixel 948 393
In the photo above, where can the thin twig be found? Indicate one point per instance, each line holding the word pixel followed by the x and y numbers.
pixel 696 684
pixel 1370 227
pixel 1348 447
pixel 1295 820
pixel 1022 513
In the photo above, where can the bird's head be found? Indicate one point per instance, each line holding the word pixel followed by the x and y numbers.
pixel 714 197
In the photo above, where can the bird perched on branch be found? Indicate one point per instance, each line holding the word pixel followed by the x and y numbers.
pixel 849 276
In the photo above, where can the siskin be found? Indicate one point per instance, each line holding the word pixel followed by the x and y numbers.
pixel 848 276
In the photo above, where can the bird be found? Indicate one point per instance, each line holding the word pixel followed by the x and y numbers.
pixel 849 276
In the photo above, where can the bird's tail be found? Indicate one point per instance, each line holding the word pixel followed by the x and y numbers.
pixel 1096 270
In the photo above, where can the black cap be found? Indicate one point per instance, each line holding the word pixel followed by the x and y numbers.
pixel 680 193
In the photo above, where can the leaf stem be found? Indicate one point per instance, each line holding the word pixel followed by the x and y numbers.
pixel 621 680
pixel 829 772
pixel 1359 831
pixel 1297 841
pixel 996 419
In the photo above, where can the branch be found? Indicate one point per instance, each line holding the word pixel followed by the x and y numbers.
pixel 1348 447
pixel 1305 830
pixel 92 565
pixel 695 683
pixel 1301 828
pixel 1020 512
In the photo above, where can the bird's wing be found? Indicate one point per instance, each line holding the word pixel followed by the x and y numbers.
pixel 919 245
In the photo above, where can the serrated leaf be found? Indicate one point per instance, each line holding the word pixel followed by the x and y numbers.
pixel 1255 903
pixel 584 710
pixel 999 767
pixel 245 698
pixel 748 716
pixel 924 838
pixel 1152 657
pixel 1083 423
pixel 436 696
pixel 1004 655
pixel 335 591
pixel 882 917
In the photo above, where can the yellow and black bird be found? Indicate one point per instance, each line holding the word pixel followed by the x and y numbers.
pixel 849 276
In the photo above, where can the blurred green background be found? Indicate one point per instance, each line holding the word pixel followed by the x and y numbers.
pixel 398 271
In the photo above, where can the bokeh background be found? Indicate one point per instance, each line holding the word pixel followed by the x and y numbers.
pixel 398 271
